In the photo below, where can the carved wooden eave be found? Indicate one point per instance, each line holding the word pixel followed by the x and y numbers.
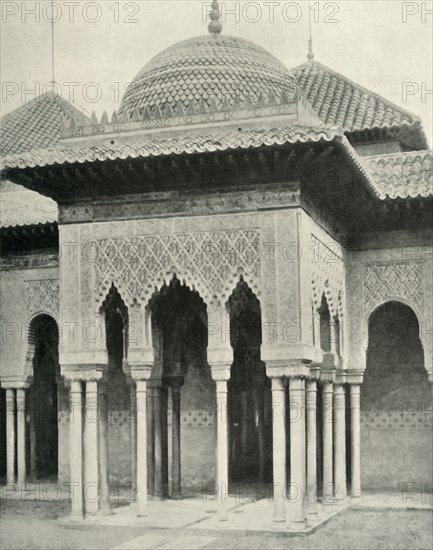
pixel 20 237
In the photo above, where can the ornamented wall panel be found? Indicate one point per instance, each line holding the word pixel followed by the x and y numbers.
pixel 42 296
pixel 382 282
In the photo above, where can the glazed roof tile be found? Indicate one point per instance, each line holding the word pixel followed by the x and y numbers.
pixel 37 124
pixel 199 72
pixel 338 100
pixel 189 145
pixel 23 207
pixel 402 175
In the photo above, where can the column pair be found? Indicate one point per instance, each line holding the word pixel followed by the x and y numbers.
pixel 296 422
pixel 88 435
pixel 15 404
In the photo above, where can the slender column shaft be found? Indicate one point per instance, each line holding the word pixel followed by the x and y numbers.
pixel 141 392
pixel 91 488
pixel 297 452
pixel 327 443
pixel 33 413
pixel 76 450
pixel 176 458
pixel 10 437
pixel 279 449
pixel 259 410
pixel 158 435
pixel 355 440
pixel 21 435
pixel 104 479
pixel 340 443
pixel 222 440
pixel 133 432
pixel 312 446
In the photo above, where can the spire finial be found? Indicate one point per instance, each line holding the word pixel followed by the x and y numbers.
pixel 310 54
pixel 215 27
pixel 53 81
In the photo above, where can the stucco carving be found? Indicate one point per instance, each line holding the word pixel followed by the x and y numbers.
pixel 392 280
pixel 42 296
pixel 327 275
pixel 210 261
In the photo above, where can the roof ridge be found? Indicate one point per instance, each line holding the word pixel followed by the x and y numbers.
pixel 415 117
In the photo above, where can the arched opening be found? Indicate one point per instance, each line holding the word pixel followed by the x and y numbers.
pixel 395 398
pixel 182 394
pixel 42 400
pixel 249 393
pixel 325 325
pixel 118 389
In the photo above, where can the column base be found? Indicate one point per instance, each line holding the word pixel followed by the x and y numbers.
pixel 279 524
pixel 297 525
pixel 76 517
pixel 176 496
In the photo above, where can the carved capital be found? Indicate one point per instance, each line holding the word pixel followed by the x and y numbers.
pixel 354 376
pixel 220 372
pixel 141 372
pixel 86 373
pixel 327 374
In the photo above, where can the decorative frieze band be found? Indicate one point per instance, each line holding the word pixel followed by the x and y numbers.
pixel 210 261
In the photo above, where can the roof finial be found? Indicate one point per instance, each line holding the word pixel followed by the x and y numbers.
pixel 310 54
pixel 53 81
pixel 215 26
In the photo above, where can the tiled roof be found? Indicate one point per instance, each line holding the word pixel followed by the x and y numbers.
pixel 34 125
pixel 208 73
pixel 37 124
pixel 402 175
pixel 23 207
pixel 338 100
pixel 189 145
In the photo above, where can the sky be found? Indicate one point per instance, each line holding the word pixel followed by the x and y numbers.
pixel 385 45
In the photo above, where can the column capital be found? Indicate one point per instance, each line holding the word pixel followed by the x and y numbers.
pixel 327 374
pixel 220 371
pixel 340 378
pixel 85 372
pixel 354 377
pixel 286 369
pixel 15 383
pixel 141 371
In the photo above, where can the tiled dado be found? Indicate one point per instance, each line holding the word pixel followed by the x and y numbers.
pixel 396 419
pixel 118 418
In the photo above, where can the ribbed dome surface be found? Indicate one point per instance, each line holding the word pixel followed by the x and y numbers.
pixel 208 73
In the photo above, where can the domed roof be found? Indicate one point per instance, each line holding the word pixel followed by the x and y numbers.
pixel 207 74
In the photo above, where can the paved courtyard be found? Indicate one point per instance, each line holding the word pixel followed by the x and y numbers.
pixel 39 525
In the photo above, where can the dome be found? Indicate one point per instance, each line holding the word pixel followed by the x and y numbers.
pixel 208 74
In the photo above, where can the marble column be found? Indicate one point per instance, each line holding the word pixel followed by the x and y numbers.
pixel 10 437
pixel 328 479
pixel 141 392
pixel 133 431
pixel 21 435
pixel 91 475
pixel 340 443
pixel 279 450
pixel 158 419
pixel 104 478
pixel 297 453
pixel 221 375
pixel 355 440
pixel 76 449
pixel 176 489
pixel 312 446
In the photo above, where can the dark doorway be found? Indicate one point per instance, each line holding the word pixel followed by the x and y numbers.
pixel 42 428
pixel 249 393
